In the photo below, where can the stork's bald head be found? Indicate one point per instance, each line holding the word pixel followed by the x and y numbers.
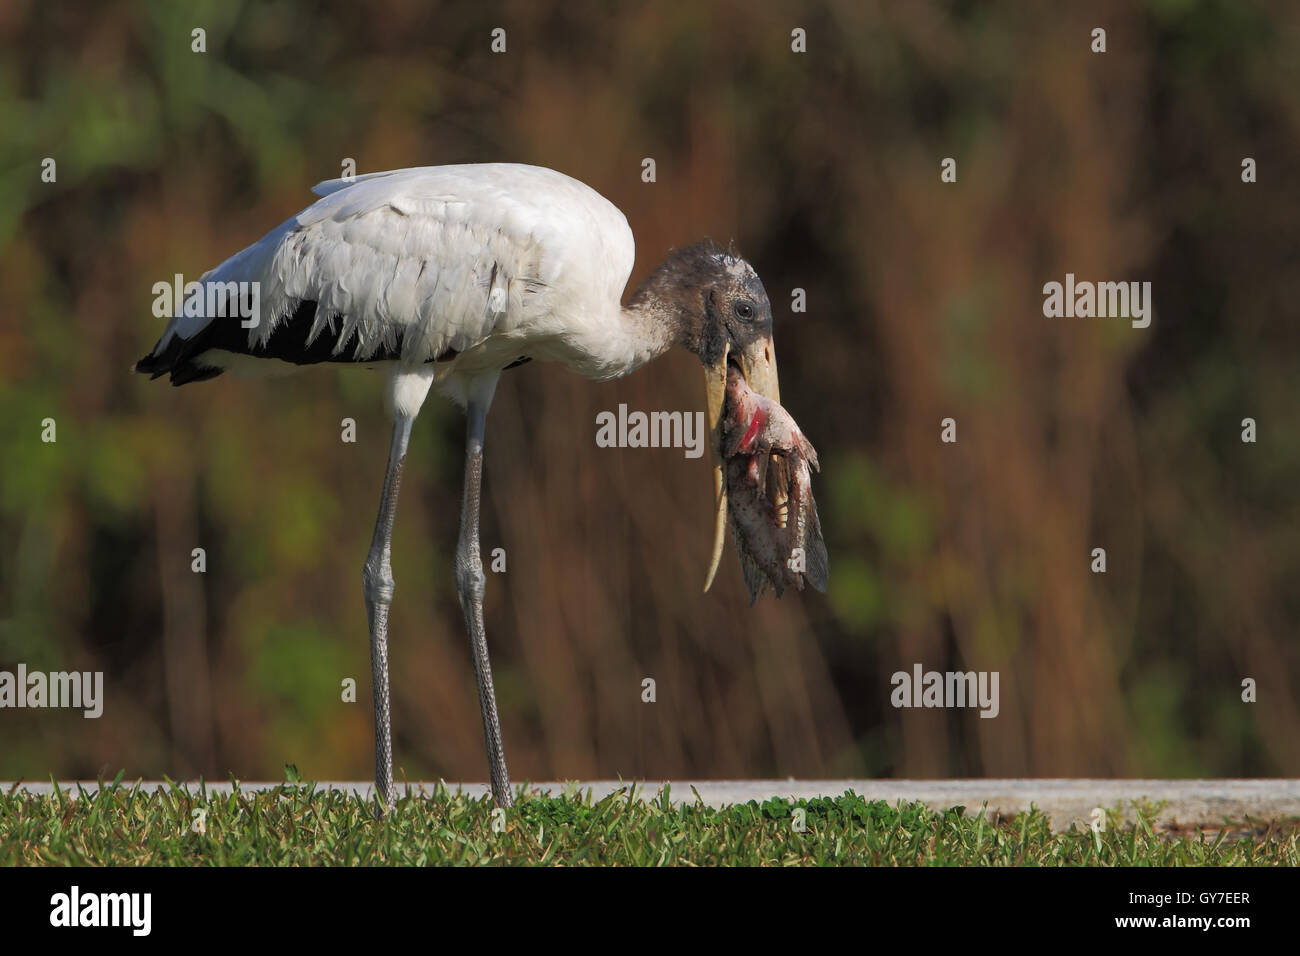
pixel 717 300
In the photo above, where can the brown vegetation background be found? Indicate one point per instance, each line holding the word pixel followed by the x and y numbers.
pixel 924 302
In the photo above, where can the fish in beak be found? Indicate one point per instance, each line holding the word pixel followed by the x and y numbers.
pixel 761 475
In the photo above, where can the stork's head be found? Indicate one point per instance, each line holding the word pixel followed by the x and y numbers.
pixel 727 322
pixel 722 315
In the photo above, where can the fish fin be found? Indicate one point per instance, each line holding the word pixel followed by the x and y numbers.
pixel 817 562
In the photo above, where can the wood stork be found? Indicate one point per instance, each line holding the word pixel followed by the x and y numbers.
pixel 445 276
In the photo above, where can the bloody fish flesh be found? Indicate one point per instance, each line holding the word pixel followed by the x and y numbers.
pixel 767 465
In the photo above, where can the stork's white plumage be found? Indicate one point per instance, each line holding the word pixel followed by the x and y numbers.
pixel 446 276
pixel 477 261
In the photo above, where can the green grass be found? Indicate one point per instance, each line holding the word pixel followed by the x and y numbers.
pixel 298 825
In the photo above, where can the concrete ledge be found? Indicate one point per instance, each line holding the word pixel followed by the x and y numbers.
pixel 1186 802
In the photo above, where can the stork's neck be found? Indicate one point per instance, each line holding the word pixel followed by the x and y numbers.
pixel 653 321
pixel 667 309
pixel 622 338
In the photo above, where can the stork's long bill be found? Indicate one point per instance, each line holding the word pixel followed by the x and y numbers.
pixel 760 372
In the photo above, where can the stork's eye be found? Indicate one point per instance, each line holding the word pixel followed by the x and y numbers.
pixel 744 310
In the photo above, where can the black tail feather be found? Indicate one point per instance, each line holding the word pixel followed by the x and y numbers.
pixel 178 360
pixel 288 343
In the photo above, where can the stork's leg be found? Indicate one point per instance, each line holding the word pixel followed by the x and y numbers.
pixel 471 584
pixel 378 580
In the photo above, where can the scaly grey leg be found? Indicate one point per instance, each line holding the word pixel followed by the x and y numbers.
pixel 471 584
pixel 377 578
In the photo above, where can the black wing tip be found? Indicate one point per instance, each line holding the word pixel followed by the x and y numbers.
pixel 190 372
pixel 152 366
pixel 182 371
